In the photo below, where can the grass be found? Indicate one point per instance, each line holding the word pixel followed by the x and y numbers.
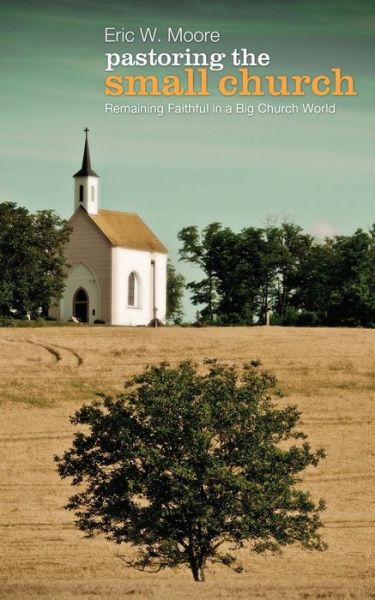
pixel 46 373
pixel 28 399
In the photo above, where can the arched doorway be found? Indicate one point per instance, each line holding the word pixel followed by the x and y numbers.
pixel 81 305
pixel 81 277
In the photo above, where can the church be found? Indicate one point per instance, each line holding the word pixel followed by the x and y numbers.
pixel 117 266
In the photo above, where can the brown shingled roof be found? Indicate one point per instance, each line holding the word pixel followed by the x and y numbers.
pixel 127 230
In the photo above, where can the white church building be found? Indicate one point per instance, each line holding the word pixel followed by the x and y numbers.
pixel 117 266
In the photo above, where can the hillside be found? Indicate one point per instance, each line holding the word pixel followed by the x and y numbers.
pixel 46 373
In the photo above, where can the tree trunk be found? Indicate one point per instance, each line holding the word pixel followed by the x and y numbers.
pixel 198 573
pixel 210 297
pixel 197 568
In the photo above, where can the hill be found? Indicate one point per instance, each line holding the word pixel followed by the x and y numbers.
pixel 46 373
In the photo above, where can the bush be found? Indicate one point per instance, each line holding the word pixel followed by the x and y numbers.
pixel 7 322
pixel 307 318
pixel 25 323
pixel 294 317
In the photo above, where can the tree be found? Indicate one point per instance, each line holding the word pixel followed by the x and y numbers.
pixel 189 466
pixel 236 268
pixel 286 249
pixel 352 300
pixel 198 250
pixel 247 273
pixel 337 280
pixel 32 262
pixel 175 292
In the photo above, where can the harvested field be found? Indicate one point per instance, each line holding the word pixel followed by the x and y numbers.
pixel 46 373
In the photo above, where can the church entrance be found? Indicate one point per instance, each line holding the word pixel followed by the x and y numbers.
pixel 81 305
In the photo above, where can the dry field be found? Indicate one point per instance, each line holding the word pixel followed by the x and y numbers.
pixel 46 373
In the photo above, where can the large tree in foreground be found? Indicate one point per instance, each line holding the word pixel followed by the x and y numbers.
pixel 189 466
pixel 32 262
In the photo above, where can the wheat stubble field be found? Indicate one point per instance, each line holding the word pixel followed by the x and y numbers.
pixel 46 373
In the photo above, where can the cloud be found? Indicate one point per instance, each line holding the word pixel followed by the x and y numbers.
pixel 322 230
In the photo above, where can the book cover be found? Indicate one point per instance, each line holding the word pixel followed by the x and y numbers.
pixel 214 164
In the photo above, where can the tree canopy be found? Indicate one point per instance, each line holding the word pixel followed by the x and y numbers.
pixel 32 262
pixel 284 270
pixel 189 465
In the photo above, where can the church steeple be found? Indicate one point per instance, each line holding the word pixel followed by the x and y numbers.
pixel 86 183
pixel 86 170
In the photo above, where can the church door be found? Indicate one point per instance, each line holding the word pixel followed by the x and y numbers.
pixel 81 305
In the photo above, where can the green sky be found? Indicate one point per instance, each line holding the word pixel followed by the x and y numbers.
pixel 318 171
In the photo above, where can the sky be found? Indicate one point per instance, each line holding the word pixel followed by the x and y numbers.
pixel 317 170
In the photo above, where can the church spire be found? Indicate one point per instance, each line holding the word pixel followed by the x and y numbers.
pixel 86 184
pixel 86 170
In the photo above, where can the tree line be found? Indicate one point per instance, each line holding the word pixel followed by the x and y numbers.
pixel 282 269
pixel 246 275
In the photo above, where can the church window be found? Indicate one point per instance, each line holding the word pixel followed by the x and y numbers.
pixel 92 193
pixel 81 193
pixel 131 289
pixel 134 290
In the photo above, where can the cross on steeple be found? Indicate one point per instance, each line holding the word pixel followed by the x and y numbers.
pixel 86 130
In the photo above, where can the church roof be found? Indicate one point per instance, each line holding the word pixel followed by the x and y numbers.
pixel 127 230
pixel 86 170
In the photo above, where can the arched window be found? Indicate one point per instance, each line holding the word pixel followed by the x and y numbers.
pixel 92 193
pixel 81 193
pixel 132 281
pixel 134 290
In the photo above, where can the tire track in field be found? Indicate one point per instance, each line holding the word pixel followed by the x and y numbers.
pixel 59 356
pixel 31 438
pixel 326 422
pixel 77 356
pixel 344 524
pixel 54 350
pixel 349 524
pixel 38 525
pixel 55 353
pixel 337 477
